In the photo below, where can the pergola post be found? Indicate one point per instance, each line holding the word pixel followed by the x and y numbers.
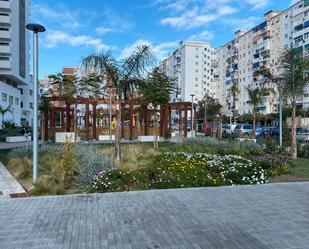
pixel 68 114
pixel 94 121
pixel 122 110
pixel 147 121
pixel 169 121
pixel 131 120
pixel 162 121
pixel 46 125
pixel 87 121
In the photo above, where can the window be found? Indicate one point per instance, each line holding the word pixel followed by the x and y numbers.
pixel 4 97
pixel 30 92
pixel 21 91
pixel 21 104
pixel 11 99
pixel 31 105
pixel 16 101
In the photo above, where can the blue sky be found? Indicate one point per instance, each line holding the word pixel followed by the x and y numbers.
pixel 76 28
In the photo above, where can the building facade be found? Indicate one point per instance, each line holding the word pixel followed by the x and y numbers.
pixel 192 67
pixel 200 72
pixel 15 80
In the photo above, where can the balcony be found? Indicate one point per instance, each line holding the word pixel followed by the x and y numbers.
pixel 4 19
pixel 5 49
pixel 5 5
pixel 5 64
pixel 5 34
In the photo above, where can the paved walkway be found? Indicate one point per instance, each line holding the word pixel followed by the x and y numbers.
pixel 4 146
pixel 8 184
pixel 247 217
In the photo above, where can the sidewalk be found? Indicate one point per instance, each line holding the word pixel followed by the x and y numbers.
pixel 5 146
pixel 8 184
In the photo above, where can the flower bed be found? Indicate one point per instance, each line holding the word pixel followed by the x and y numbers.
pixel 179 170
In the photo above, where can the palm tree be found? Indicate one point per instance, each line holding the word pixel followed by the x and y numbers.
pixel 90 86
pixel 234 91
pixel 65 86
pixel 3 111
pixel 124 76
pixel 293 82
pixel 157 89
pixel 256 96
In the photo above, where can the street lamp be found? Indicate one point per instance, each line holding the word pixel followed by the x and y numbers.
pixel 35 28
pixel 110 113
pixel 192 115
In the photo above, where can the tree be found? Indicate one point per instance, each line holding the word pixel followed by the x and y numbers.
pixel 90 86
pixel 3 111
pixel 293 82
pixel 65 86
pixel 124 76
pixel 156 89
pixel 235 92
pixel 213 108
pixel 256 96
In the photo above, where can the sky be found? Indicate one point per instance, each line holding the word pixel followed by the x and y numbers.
pixel 76 28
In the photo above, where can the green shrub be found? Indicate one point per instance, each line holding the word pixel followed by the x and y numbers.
pixel 303 151
pixel 179 170
pixel 90 163
pixel 66 166
pixel 47 185
pixel 118 181
pixel 274 164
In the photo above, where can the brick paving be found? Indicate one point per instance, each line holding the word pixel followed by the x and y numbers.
pixel 247 217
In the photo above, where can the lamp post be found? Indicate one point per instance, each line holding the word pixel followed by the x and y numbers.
pixel 110 113
pixel 192 116
pixel 35 28
pixel 280 118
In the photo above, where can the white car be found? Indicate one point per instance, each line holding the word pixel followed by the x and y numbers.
pixel 303 136
pixel 230 129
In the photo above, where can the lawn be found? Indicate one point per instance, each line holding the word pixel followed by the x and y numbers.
pixel 67 169
pixel 299 171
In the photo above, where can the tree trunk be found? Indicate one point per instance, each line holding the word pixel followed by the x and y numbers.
pixel 155 142
pixel 43 129
pixel 118 134
pixel 234 108
pixel 293 133
pixel 254 123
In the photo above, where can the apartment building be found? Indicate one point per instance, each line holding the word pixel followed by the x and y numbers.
pixel 192 67
pixel 259 47
pixel 15 81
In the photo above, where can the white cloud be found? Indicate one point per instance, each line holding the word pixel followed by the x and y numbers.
pixel 160 50
pixel 204 36
pixel 102 30
pixel 55 38
pixel 58 14
pixel 257 4
pixel 190 14
pixel 245 23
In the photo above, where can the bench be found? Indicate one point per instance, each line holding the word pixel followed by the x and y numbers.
pixel 106 137
pixel 147 138
pixel 62 137
pixel 17 139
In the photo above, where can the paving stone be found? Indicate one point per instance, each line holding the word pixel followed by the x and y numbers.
pixel 273 216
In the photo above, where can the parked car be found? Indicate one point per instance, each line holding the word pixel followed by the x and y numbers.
pixel 230 128
pixel 243 130
pixel 303 135
pixel 260 132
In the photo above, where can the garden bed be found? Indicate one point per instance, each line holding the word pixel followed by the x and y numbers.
pixel 69 168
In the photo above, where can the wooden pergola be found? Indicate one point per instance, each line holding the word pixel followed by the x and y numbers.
pixel 135 117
